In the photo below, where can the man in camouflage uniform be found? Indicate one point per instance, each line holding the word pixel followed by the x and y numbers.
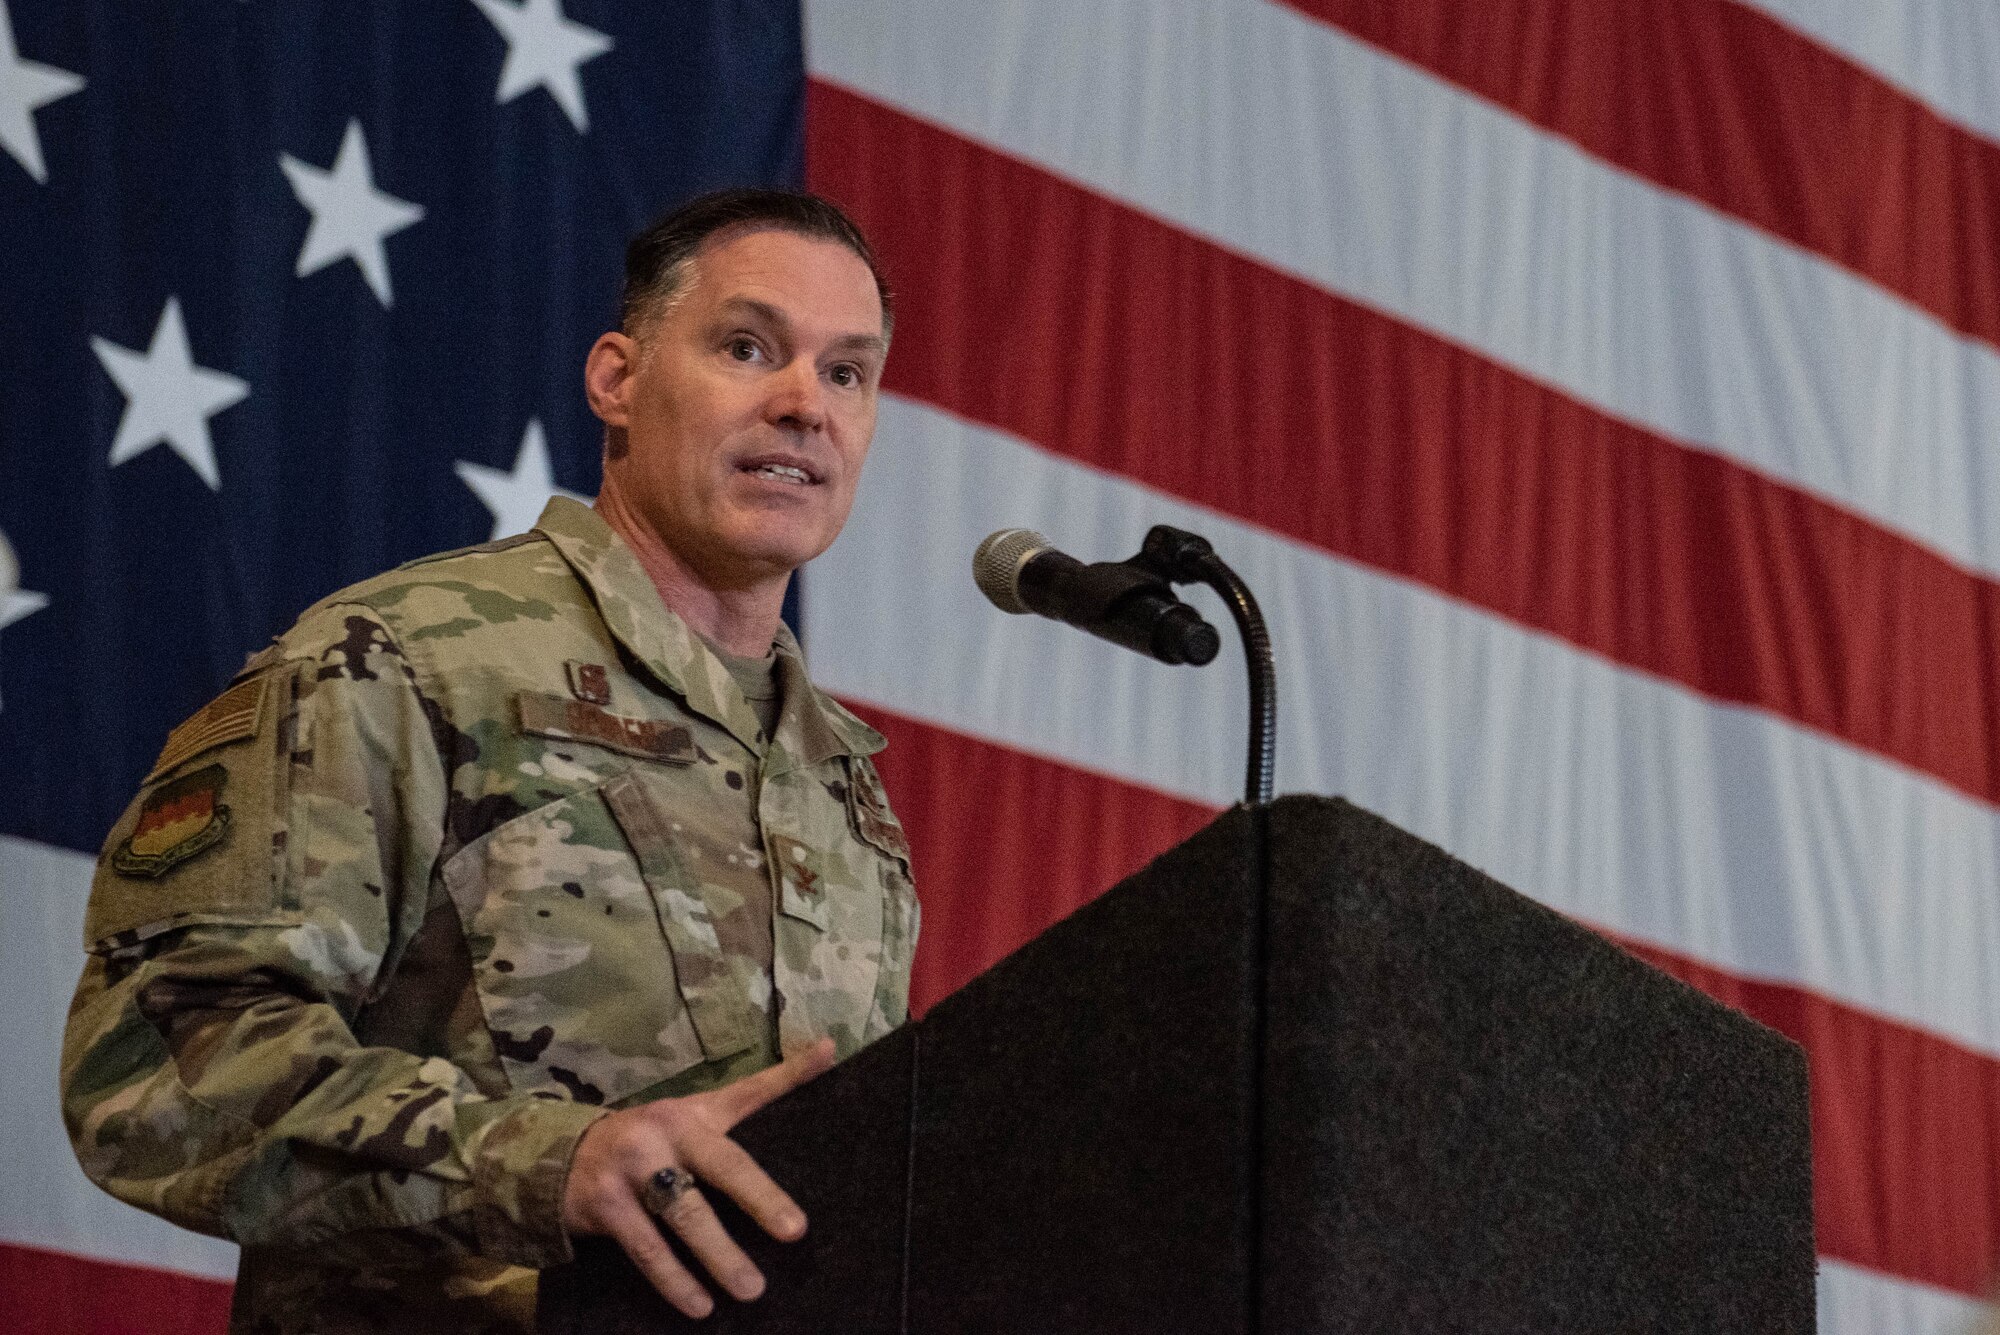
pixel 482 903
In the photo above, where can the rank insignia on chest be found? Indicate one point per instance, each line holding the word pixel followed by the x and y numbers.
pixel 795 864
pixel 179 821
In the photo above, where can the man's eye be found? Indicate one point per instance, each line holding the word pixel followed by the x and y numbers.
pixel 846 376
pixel 744 349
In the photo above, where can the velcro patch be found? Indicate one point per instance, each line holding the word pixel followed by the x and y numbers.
pixel 202 842
pixel 178 821
pixel 235 714
pixel 589 682
pixel 580 721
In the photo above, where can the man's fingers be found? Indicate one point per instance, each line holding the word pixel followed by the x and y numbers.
pixel 736 1102
pixel 694 1220
pixel 635 1231
pixel 728 1167
pixel 694 1126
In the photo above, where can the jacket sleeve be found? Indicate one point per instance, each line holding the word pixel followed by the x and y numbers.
pixel 251 902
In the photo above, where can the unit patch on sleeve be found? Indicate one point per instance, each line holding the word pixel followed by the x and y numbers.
pixel 229 717
pixel 179 820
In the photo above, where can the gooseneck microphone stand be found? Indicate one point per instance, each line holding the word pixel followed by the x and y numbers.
pixel 1181 557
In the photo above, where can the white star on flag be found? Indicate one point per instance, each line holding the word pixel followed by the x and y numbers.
pixel 516 499
pixel 351 218
pixel 544 50
pixel 15 601
pixel 168 398
pixel 24 88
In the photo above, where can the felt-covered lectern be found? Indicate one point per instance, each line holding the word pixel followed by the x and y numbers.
pixel 1304 1073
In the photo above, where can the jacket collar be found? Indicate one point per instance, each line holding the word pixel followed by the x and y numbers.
pixel 812 726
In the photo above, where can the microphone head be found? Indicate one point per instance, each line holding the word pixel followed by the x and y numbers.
pixel 996 566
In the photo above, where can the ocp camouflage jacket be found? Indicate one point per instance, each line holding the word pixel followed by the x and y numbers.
pixel 436 881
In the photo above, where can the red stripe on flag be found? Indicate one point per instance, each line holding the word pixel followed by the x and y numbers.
pixel 1721 102
pixel 1033 305
pixel 1906 1151
pixel 1056 836
pixel 55 1293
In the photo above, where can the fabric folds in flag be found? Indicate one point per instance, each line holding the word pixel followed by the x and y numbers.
pixel 1598 395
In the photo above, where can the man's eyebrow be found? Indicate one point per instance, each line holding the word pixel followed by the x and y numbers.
pixel 769 314
pixel 762 310
pixel 863 342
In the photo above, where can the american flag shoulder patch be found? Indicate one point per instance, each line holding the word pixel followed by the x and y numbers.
pixel 235 714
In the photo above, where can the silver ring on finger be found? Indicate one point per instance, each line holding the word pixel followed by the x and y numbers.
pixel 664 1188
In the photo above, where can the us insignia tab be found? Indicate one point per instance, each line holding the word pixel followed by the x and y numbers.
pixel 180 820
pixel 589 682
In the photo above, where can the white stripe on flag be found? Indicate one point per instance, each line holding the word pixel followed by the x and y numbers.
pixel 1286 140
pixel 1941 52
pixel 1630 802
pixel 1853 1301
pixel 45 1200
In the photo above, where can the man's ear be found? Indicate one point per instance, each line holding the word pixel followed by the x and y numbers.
pixel 607 377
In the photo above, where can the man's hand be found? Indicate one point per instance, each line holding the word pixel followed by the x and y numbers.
pixel 619 1155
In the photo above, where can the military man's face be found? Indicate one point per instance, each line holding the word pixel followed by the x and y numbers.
pixel 748 404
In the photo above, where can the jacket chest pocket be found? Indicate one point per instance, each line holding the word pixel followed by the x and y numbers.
pixel 595 958
pixel 829 943
pixel 847 916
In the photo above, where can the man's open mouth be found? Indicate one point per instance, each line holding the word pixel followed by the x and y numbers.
pixel 780 472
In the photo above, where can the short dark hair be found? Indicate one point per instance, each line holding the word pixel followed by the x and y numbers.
pixel 656 261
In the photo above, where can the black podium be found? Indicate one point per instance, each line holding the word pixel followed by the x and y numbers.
pixel 1305 1073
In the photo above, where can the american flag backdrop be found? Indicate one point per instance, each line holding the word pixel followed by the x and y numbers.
pixel 1602 396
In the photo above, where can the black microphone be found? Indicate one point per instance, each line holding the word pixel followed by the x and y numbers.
pixel 1019 570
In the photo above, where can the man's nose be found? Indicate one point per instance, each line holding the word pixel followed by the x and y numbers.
pixel 797 397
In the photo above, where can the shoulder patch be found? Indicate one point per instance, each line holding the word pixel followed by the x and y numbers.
pixel 204 841
pixel 178 821
pixel 235 714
